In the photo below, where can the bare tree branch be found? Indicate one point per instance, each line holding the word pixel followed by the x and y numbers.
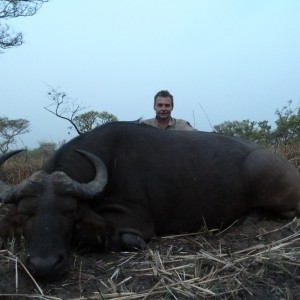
pixel 19 8
pixel 8 38
pixel 14 9
pixel 68 109
pixel 64 107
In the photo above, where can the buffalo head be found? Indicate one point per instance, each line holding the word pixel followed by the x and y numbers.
pixel 47 209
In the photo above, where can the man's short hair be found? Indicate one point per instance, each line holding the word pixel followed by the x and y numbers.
pixel 164 93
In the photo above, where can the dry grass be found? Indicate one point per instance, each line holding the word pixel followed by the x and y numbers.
pixel 192 266
pixel 19 167
pixel 291 153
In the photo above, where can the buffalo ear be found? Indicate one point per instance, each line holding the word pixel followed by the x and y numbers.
pixel 91 231
pixel 89 217
pixel 10 224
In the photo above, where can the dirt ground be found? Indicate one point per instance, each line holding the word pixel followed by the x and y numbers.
pixel 255 259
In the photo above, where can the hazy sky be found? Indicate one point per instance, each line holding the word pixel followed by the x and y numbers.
pixel 236 59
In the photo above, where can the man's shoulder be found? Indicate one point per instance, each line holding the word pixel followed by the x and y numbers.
pixel 181 121
pixel 182 124
pixel 149 121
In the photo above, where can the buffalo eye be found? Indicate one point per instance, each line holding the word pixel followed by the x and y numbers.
pixel 68 207
pixel 26 214
pixel 26 208
pixel 69 213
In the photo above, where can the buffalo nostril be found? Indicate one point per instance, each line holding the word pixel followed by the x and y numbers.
pixel 47 266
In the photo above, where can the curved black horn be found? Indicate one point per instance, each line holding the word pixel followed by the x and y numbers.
pixel 6 156
pixel 95 186
pixel 6 190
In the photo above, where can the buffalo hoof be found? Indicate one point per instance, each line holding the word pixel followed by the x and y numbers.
pixel 133 242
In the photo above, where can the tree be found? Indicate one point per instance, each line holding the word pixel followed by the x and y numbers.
pixel 13 9
pixel 89 120
pixel 44 151
pixel 9 130
pixel 68 109
pixel 288 125
pixel 286 133
pixel 259 132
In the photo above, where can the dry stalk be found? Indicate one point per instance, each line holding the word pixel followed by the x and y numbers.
pixel 209 272
pixel 9 256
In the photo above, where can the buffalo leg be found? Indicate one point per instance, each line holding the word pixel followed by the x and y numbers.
pixel 132 241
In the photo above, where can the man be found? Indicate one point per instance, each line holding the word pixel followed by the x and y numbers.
pixel 163 106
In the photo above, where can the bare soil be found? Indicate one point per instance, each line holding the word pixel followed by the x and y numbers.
pixel 258 258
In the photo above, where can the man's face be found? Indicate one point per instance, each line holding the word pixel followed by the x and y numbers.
pixel 163 107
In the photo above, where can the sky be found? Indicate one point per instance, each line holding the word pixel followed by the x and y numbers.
pixel 222 60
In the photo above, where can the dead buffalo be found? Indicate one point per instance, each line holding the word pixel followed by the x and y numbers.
pixel 129 182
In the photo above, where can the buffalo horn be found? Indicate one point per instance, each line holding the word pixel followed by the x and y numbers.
pixel 6 190
pixel 95 186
